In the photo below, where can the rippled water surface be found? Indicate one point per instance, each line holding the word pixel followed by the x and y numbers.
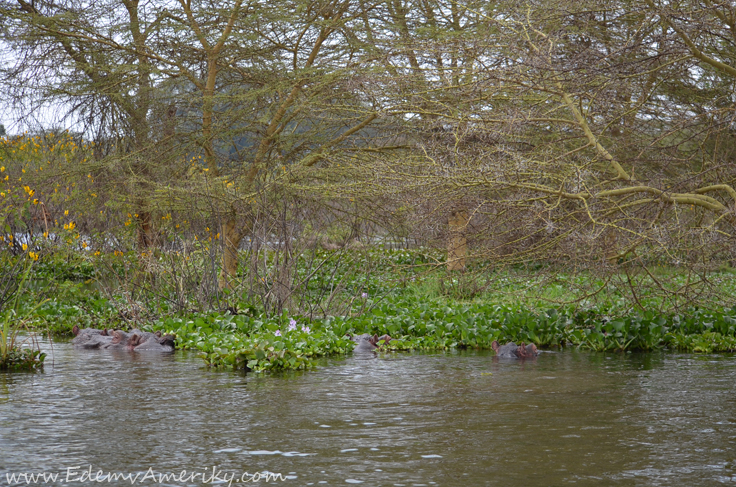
pixel 398 419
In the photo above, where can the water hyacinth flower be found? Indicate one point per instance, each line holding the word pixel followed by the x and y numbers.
pixel 278 333
pixel 364 295
pixel 292 324
pixel 305 329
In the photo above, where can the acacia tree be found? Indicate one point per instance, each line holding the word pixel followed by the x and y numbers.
pixel 586 134
pixel 272 75
pixel 278 100
pixel 92 60
pixel 593 134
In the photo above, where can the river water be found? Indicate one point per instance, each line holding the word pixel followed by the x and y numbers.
pixel 463 418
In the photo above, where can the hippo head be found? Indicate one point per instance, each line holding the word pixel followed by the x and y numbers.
pixel 134 341
pixel 166 340
pixel 119 337
pixel 527 351
pixel 385 338
pixel 88 331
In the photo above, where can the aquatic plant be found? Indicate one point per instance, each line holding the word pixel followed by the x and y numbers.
pixel 13 354
pixel 270 343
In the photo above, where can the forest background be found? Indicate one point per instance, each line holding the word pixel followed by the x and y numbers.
pixel 443 171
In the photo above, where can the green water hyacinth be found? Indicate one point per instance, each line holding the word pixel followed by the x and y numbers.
pixel 241 342
pixel 278 343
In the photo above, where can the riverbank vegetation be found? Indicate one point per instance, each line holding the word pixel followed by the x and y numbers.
pixel 407 295
pixel 262 179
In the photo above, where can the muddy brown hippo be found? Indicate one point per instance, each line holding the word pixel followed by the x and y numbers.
pixel 135 341
pixel 527 351
pixel 153 342
pixel 368 343
pixel 90 337
pixel 512 350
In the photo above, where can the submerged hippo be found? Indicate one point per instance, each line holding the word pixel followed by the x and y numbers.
pixel 368 343
pixel 135 341
pixel 527 351
pixel 512 350
pixel 91 337
pixel 152 342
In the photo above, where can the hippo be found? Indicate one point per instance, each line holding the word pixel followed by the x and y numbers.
pixel 153 342
pixel 121 341
pixel 512 350
pixel 135 341
pixel 368 343
pixel 90 337
pixel 527 351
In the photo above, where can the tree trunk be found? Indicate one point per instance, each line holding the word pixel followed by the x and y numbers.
pixel 145 229
pixel 232 237
pixel 457 246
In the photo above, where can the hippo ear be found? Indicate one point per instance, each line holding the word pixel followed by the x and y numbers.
pixel 374 339
pixel 495 346
pixel 75 330
pixel 158 333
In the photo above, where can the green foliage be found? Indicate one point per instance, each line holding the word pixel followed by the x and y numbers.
pixel 394 299
pixel 256 343
pixel 22 359
pixel 260 343
pixel 13 356
pixel 61 265
pixel 708 342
